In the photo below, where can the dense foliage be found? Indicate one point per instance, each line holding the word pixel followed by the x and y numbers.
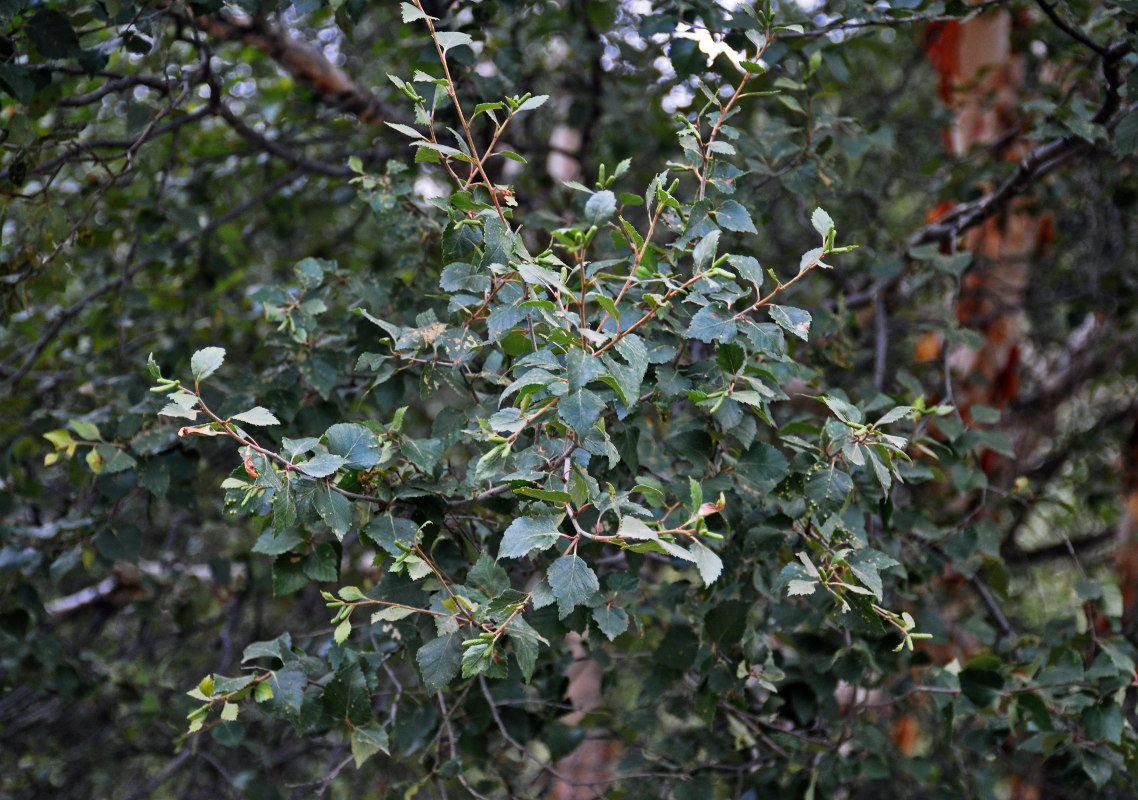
pixel 376 376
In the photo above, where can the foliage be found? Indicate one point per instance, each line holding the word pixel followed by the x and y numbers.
pixel 468 424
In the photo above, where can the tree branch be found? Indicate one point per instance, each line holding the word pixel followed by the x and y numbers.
pixel 76 308
pixel 301 60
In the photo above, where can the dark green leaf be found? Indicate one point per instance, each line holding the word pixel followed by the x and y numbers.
pixel 712 322
pixel 439 661
pixel 527 534
pixel 734 217
pixel 52 34
pixel 346 696
pixel 334 509
pixel 579 409
pixel 487 577
pixel 358 446
pixel 611 621
pixel 572 581
pixel 793 320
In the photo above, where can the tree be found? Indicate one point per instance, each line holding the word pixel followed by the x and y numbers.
pixel 520 387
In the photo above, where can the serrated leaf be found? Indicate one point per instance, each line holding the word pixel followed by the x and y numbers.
pixel 822 222
pixel 257 415
pixel 712 322
pixel 206 361
pixel 411 14
pixel 359 447
pixel 321 465
pixel 487 576
pixel 439 661
pixel 524 643
pixel 346 696
pixel 632 528
pixel 229 712
pixel 793 320
pixel 572 582
pixel 343 631
pixel 536 101
pixel 900 412
pixel 540 276
pixel 704 252
pixel 799 587
pixel 748 268
pixel 708 562
pixel 611 621
pixel 114 459
pixel 734 217
pixel 527 534
pixel 451 39
pixel 334 509
pixel 368 740
pixel 579 409
pixel 600 207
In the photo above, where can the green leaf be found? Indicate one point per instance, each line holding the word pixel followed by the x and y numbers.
pixel 627 378
pixel 579 409
pixel 52 34
pixel 358 446
pixel 708 562
pixel 827 488
pixel 439 661
pixel 679 647
pixel 288 575
pixel 115 459
pixel 256 416
pixel 451 39
pixel 389 532
pixel 322 563
pixel 798 587
pixel 368 740
pixel 537 101
pixel 410 14
pixel 278 648
pixel 600 207
pixel 487 576
pixel 704 252
pixel 632 528
pixel 1104 721
pixel 1126 134
pixel 15 81
pixel 572 582
pixel 734 217
pixel 527 534
pixel 611 621
pixel 793 320
pixel 423 453
pixel 540 276
pixel 86 430
pixel 525 644
pixel 822 223
pixel 288 686
pixel 206 361
pixel 321 465
pixel 549 496
pixel 712 322
pixel 981 686
pixel 346 696
pixel 334 509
